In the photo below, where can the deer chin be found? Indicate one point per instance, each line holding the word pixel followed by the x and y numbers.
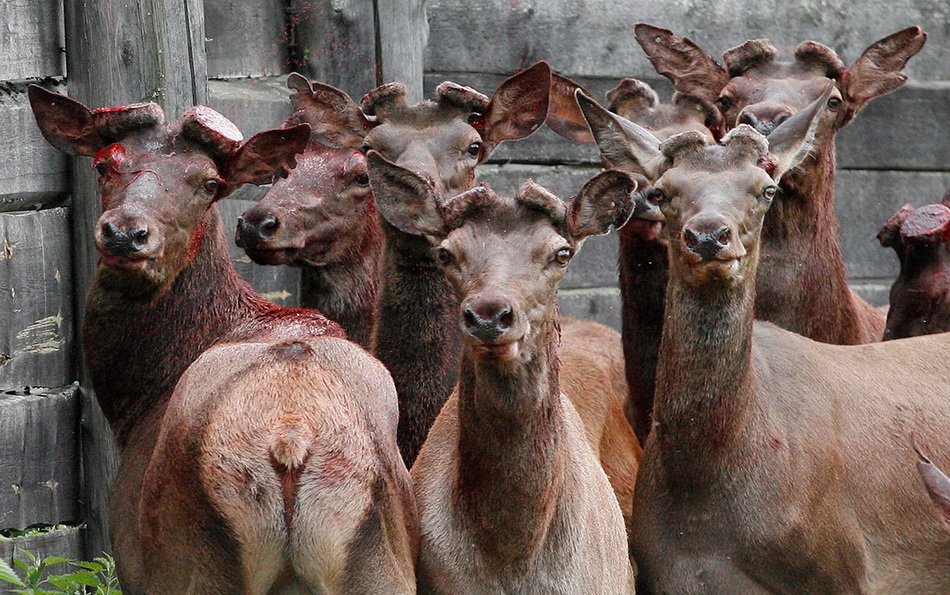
pixel 715 269
pixel 497 352
pixel 272 256
pixel 137 264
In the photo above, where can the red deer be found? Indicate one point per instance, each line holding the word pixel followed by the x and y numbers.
pixel 802 284
pixel 511 495
pixel 937 484
pixel 919 296
pixel 417 335
pixel 642 258
pixel 761 474
pixel 272 465
pixel 322 218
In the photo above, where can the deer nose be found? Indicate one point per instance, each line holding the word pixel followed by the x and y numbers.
pixel 123 242
pixel 487 319
pixel 707 244
pixel 765 121
pixel 253 230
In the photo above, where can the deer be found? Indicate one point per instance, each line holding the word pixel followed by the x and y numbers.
pixel 642 249
pixel 918 302
pixel 937 484
pixel 511 496
pixel 760 474
pixel 802 285
pixel 322 218
pixel 417 336
pixel 307 494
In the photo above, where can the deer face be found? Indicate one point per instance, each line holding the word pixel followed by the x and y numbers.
pixel 320 215
pixel 503 256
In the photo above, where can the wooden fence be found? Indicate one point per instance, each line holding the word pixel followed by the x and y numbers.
pixel 56 455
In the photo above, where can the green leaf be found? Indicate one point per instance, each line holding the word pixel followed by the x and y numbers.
pixel 93 566
pixel 7 574
pixel 50 560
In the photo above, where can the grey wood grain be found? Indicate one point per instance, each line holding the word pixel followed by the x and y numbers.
pixel 65 542
pixel 246 37
pixel 402 31
pixel 32 40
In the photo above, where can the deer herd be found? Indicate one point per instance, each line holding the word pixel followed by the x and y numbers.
pixel 428 421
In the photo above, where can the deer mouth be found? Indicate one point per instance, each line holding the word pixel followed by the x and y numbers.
pixel 271 256
pixel 717 268
pixel 135 264
pixel 497 352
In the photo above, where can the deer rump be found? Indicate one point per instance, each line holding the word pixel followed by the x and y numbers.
pixel 272 456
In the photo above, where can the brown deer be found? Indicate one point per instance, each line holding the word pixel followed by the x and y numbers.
pixel 417 336
pixel 511 495
pixel 937 484
pixel 760 474
pixel 272 465
pixel 802 285
pixel 642 254
pixel 919 295
pixel 322 218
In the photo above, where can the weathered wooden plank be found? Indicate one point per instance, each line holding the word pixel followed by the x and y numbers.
pixel 65 542
pixel 335 43
pixel 280 284
pixel 32 172
pixel 600 303
pixel 32 40
pixel 246 37
pixel 252 104
pixel 39 457
pixel 122 53
pixel 402 31
pixel 36 310
pixel 584 38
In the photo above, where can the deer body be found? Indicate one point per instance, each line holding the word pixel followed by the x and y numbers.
pixel 179 349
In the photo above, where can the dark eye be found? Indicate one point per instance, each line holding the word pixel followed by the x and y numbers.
pixel 362 179
pixel 725 103
pixel 474 149
pixel 444 257
pixel 657 196
pixel 101 168
pixel 563 256
pixel 365 149
pixel 769 193
pixel 210 186
pixel 833 103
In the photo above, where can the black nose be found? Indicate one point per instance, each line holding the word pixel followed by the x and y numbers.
pixel 252 231
pixel 707 245
pixel 123 242
pixel 763 126
pixel 487 321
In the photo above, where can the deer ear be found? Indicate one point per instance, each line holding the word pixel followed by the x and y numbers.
pixel 334 118
pixel 879 70
pixel 265 157
pixel 691 70
pixel 518 107
pixel 564 115
pixel 67 124
pixel 792 140
pixel 890 234
pixel 622 143
pixel 604 203
pixel 937 484
pixel 408 202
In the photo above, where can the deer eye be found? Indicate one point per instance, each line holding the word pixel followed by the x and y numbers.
pixel 474 149
pixel 362 180
pixel 833 103
pixel 101 168
pixel 210 186
pixel 657 196
pixel 444 257
pixel 564 256
pixel 725 103
pixel 769 193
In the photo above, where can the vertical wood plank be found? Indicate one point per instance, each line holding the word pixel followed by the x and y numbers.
pixel 246 38
pixel 402 32
pixel 31 38
pixel 335 43
pixel 122 52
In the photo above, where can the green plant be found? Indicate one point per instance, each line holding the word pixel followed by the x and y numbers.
pixel 86 578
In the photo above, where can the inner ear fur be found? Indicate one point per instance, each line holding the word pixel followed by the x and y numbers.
pixel 689 68
pixel 604 203
pixel 265 157
pixel 518 107
pixel 564 115
pixel 879 70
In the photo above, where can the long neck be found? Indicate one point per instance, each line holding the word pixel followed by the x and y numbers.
pixel 347 292
pixel 643 278
pixel 417 335
pixel 136 350
pixel 802 284
pixel 511 426
pixel 705 384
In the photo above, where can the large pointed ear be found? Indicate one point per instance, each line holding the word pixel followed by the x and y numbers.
pixel 603 204
pixel 890 234
pixel 691 70
pixel 265 157
pixel 937 484
pixel 564 115
pixel 792 140
pixel 518 107
pixel 334 118
pixel 622 143
pixel 407 201
pixel 879 70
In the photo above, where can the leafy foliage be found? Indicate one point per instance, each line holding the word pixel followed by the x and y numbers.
pixel 82 578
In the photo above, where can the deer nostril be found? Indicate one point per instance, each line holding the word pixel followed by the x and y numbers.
pixel 505 318
pixel 471 320
pixel 691 238
pixel 109 230
pixel 139 237
pixel 748 118
pixel 268 226
pixel 722 236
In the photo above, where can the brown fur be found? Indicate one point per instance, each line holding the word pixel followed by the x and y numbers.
pixel 169 299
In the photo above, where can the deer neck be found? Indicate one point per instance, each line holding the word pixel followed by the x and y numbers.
pixel 802 283
pixel 643 278
pixel 346 292
pixel 511 425
pixel 136 350
pixel 704 386
pixel 417 335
